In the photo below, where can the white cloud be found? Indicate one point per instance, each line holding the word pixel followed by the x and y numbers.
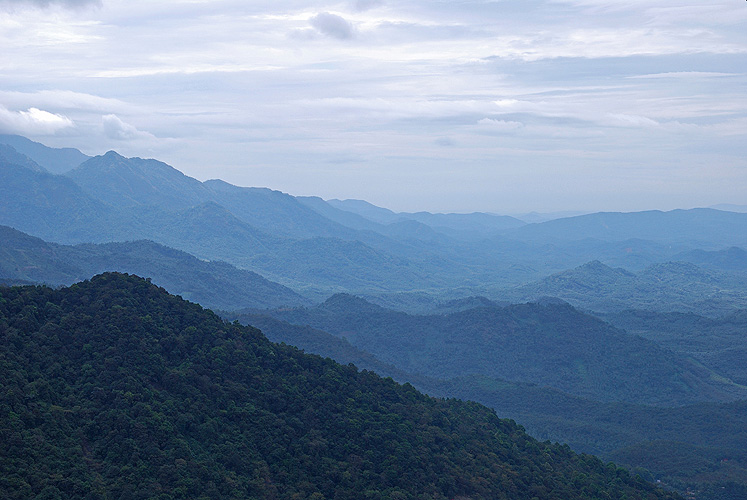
pixel 115 128
pixel 499 125
pixel 33 121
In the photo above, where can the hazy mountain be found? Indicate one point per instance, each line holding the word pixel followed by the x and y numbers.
pixel 718 343
pixel 128 182
pixel 704 227
pixel 8 154
pixel 537 217
pixel 115 388
pixel 552 344
pixel 55 160
pixel 730 207
pixel 55 208
pixel 24 258
pixel 732 259
pixel 344 217
pixel 275 212
pixel 669 286
pixel 308 243
pixel 451 223
pixel 366 209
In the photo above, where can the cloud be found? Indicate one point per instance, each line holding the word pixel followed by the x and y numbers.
pixel 363 5
pixel 115 128
pixel 500 125
pixel 33 121
pixel 332 25
pixel 70 4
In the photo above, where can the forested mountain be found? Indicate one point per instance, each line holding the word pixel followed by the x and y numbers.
pixel 114 389
pixel 549 344
pixel 733 259
pixel 698 447
pixel 214 284
pixel 668 286
pixel 718 343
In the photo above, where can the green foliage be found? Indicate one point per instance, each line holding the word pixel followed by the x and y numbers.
pixel 114 389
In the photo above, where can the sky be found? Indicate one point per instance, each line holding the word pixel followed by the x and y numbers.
pixel 505 106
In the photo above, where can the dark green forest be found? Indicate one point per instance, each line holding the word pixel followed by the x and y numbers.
pixel 113 388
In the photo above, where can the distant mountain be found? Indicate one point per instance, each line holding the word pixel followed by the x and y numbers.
pixel 306 243
pixel 704 227
pixel 114 389
pixel 25 259
pixel 127 182
pixel 732 259
pixel 54 160
pixel 451 223
pixel 730 208
pixel 669 286
pixel 718 343
pixel 276 212
pixel 366 209
pixel 553 345
pixel 55 208
pixel 9 155
pixel 538 217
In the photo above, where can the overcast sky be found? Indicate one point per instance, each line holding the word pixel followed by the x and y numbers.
pixel 505 106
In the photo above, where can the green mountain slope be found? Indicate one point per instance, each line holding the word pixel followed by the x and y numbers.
pixel 114 389
pixel 663 440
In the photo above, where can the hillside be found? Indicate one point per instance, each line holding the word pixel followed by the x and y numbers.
pixel 698 447
pixel 668 286
pixel 549 344
pixel 214 284
pixel 114 389
pixel 54 160
pixel 718 343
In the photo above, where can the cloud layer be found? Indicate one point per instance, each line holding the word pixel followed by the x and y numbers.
pixel 498 106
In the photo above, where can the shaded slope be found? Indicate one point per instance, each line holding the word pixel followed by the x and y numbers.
pixel 128 182
pixel 212 284
pixel 551 344
pixel 55 208
pixel 668 286
pixel 55 160
pixel 112 388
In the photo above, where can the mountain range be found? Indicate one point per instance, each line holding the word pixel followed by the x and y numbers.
pixel 319 247
pixel 630 348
